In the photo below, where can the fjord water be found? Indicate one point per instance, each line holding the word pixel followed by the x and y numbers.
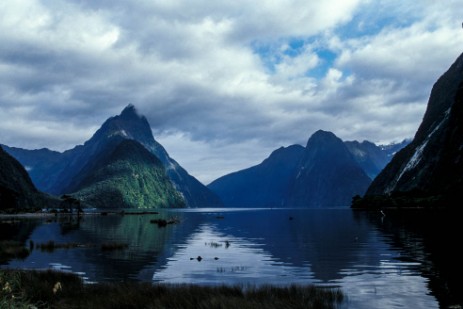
pixel 395 261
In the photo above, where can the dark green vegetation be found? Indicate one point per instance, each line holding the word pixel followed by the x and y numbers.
pixel 323 174
pixel 16 187
pixel 429 171
pixel 63 290
pixel 129 177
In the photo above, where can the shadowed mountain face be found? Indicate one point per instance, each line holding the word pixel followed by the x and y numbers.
pixel 328 175
pixel 43 165
pixel 323 174
pixel 16 187
pixel 263 185
pixel 60 173
pixel 432 164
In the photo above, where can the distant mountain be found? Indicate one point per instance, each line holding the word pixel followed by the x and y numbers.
pixel 16 187
pixel 429 171
pixel 328 174
pixel 323 174
pixel 391 149
pixel 43 165
pixel 263 185
pixel 373 158
pixel 129 176
pixel 59 173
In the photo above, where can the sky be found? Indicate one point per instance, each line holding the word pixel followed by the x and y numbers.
pixel 222 83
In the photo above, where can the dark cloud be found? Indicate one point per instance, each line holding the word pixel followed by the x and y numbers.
pixel 222 83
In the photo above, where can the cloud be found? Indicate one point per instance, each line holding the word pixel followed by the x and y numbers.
pixel 229 81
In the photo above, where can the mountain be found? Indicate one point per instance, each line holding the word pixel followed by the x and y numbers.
pixel 263 185
pixel 372 158
pixel 43 165
pixel 16 187
pixel 130 176
pixel 60 173
pixel 328 174
pixel 429 171
pixel 391 149
pixel 324 173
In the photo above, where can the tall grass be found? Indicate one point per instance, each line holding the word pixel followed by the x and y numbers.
pixel 41 289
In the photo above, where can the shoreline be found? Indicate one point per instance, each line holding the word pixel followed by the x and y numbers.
pixel 26 289
pixel 57 214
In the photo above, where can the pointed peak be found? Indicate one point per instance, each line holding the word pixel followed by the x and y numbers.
pixel 130 111
pixel 321 135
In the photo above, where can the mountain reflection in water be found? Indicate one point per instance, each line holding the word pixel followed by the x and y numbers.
pixel 379 262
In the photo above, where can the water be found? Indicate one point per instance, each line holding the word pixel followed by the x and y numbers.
pixel 397 261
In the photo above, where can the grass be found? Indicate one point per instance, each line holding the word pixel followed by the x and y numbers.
pixel 50 289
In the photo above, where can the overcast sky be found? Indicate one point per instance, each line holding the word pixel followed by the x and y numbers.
pixel 222 83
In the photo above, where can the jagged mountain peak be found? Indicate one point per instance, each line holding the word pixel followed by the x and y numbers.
pixel 129 124
pixel 130 112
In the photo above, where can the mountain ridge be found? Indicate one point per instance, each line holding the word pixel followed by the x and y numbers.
pixel 275 179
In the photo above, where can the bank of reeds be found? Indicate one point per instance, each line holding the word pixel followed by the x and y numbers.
pixel 49 289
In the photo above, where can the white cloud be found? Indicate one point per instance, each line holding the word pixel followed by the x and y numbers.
pixel 208 161
pixel 231 80
pixel 403 53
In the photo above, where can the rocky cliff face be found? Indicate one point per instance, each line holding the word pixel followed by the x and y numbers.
pixel 432 164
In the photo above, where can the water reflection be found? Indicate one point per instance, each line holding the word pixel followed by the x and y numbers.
pixel 145 243
pixel 212 257
pixel 379 262
pixel 428 239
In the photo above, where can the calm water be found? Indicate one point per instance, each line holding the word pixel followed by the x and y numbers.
pixel 396 261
